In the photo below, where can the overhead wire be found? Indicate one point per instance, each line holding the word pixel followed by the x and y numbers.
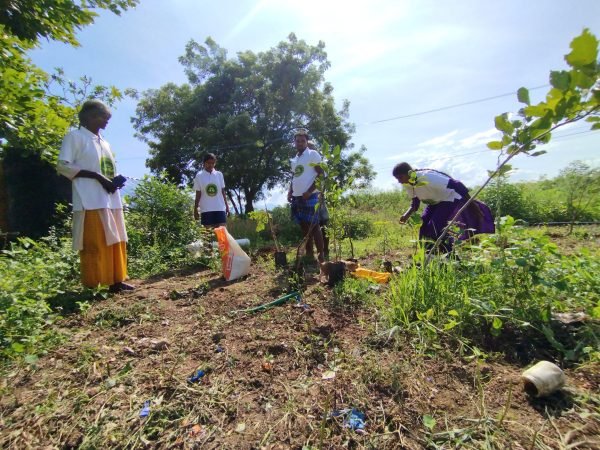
pixel 457 105
pixel 285 136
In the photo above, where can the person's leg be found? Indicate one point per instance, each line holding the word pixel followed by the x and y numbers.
pixel 100 263
pixel 318 237
pixel 309 246
pixel 438 217
pixel 304 226
pixel 92 258
pixel 119 251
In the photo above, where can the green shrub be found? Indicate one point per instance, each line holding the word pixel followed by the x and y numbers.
pixel 357 226
pixel 509 283
pixel 33 273
pixel 160 224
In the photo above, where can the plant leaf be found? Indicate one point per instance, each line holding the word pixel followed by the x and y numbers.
pixel 523 95
pixel 584 50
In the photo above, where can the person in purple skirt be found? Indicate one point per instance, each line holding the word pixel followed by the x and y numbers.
pixel 444 196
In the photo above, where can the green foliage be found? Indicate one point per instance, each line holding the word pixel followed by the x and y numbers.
pixel 357 226
pixel 509 284
pixel 32 20
pixel 571 196
pixel 288 232
pixel 507 199
pixel 352 292
pixel 581 184
pixel 32 274
pixel 330 185
pixel 574 96
pixel 245 110
pixel 160 224
pixel 33 119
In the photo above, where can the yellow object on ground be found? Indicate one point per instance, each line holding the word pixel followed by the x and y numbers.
pixel 379 277
pixel 101 263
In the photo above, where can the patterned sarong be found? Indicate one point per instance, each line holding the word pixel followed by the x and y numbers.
pixel 306 210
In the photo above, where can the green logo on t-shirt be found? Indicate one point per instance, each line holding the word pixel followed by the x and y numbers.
pixel 211 190
pixel 107 167
pixel 299 170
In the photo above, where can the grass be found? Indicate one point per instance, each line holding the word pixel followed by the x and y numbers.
pixel 439 380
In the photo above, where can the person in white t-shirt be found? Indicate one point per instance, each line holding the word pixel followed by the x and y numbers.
pixel 98 225
pixel 303 194
pixel 444 197
pixel 209 185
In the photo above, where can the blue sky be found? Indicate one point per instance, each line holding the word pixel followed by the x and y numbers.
pixel 389 58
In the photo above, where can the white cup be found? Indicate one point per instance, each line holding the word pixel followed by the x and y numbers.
pixel 543 379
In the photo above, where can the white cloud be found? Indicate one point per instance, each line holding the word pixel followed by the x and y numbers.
pixel 440 141
pixel 479 139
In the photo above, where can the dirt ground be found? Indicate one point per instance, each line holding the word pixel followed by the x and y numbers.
pixel 286 378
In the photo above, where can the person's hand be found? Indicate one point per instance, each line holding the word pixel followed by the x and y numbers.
pixel 306 195
pixel 107 184
pixel 196 214
pixel 403 219
pixel 289 197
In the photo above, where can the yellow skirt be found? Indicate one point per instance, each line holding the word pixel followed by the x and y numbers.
pixel 100 263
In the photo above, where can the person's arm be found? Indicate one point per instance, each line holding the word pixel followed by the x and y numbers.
pixel 414 206
pixel 313 186
pixel 107 184
pixel 196 203
pixel 222 185
pixel 459 188
pixel 72 171
pixel 67 166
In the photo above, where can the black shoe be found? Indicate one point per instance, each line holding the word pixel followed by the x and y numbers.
pixel 120 286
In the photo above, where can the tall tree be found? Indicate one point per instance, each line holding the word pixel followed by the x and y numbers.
pixel 245 110
pixel 37 108
pixel 33 118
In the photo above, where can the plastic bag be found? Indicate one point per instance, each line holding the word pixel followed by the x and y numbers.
pixel 378 277
pixel 235 261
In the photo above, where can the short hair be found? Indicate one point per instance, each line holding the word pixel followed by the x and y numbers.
pixel 401 169
pixel 208 157
pixel 301 132
pixel 91 108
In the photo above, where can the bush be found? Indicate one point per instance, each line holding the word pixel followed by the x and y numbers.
pixel 32 273
pixel 357 226
pixel 160 224
pixel 288 232
pixel 504 289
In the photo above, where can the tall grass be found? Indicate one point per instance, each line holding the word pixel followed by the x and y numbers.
pixel 508 286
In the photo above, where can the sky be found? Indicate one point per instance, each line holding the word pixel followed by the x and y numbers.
pixel 389 58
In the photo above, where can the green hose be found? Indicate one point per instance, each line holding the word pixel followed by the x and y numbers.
pixel 279 301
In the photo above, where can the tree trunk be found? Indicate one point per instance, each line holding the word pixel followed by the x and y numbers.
pixel 239 199
pixel 249 196
pixel 235 207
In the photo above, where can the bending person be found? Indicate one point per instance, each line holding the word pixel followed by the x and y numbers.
pixel 444 196
pixel 98 224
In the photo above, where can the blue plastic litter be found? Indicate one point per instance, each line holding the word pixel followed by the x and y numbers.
pixel 219 349
pixel 301 304
pixel 354 419
pixel 197 376
pixel 146 409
